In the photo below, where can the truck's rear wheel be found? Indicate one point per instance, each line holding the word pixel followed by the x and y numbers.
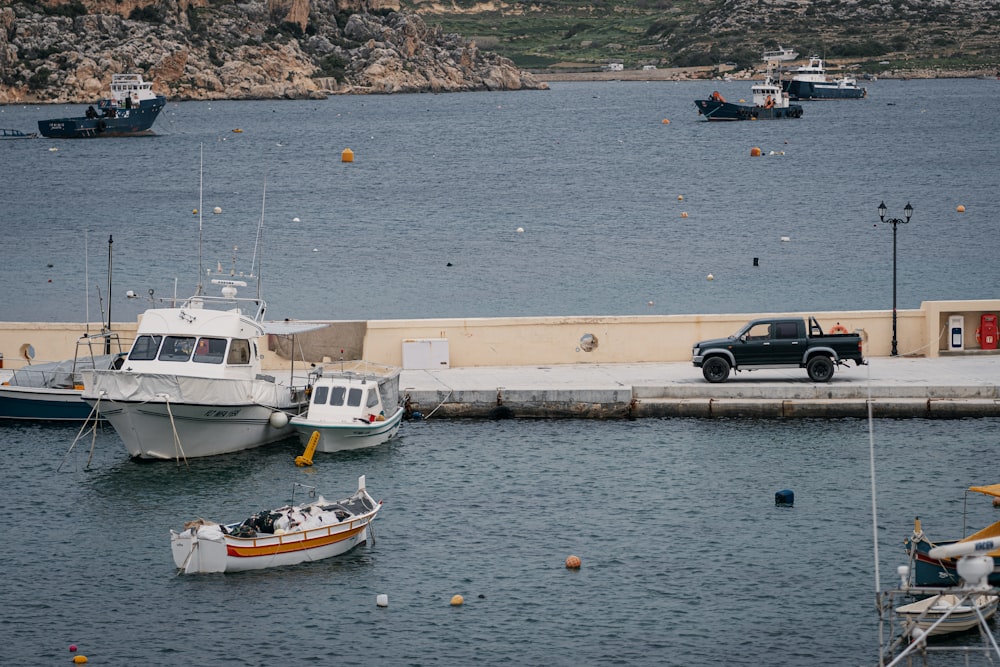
pixel 820 369
pixel 715 369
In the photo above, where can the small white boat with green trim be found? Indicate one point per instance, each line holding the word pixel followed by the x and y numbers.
pixel 351 409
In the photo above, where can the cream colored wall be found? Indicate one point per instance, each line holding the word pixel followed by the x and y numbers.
pixel 517 341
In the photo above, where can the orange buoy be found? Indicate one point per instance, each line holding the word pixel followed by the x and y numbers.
pixel 347 155
pixel 680 197
pixel 684 214
pixel 755 152
pixel 960 208
pixel 666 121
pixel 457 600
pixel 573 562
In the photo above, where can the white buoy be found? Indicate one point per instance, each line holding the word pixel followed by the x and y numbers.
pixel 217 210
pixel 382 600
pixel 315 249
pixel 278 419
pixel 786 239
pixel 710 277
pixel 520 230
pixel 296 220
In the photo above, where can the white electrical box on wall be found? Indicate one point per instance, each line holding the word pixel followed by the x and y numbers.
pixel 425 353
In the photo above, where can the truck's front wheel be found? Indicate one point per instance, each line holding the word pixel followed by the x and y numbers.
pixel 715 369
pixel 820 369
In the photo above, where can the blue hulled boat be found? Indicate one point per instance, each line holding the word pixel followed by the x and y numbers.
pixel 130 110
pixel 929 571
pixel 809 82
pixel 769 103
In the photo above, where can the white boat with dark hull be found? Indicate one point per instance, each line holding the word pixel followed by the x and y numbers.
pixel 192 383
pixel 809 82
pixel 286 535
pixel 351 409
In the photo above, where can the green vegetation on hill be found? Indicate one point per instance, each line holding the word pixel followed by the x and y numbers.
pixel 563 34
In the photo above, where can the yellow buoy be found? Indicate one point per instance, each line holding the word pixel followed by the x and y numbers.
pixel 237 130
pixel 755 152
pixel 960 209
pixel 79 659
pixel 573 562
pixel 194 211
pixel 666 121
pixel 680 197
pixel 307 456
pixel 457 600
pixel 347 155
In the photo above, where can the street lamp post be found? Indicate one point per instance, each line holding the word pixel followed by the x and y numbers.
pixel 894 222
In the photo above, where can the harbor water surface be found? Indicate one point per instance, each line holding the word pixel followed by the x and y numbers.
pixel 686 559
pixel 424 222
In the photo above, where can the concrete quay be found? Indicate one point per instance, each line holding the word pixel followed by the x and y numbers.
pixel 899 387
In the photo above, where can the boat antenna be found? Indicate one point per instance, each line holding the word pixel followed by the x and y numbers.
pixel 86 282
pixel 871 471
pixel 257 240
pixel 107 341
pixel 201 184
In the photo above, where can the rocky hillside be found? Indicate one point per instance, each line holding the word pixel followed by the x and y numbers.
pixel 870 35
pixel 66 50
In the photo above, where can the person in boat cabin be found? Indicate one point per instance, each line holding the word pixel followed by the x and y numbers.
pixel 91 112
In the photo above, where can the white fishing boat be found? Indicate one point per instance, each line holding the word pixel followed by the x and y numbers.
pixel 946 613
pixel 781 53
pixel 192 384
pixel 287 535
pixel 351 409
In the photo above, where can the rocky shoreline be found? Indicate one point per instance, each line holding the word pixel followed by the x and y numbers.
pixel 261 49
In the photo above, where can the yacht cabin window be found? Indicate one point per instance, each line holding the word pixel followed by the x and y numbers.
pixel 239 352
pixel 372 397
pixel 337 395
pixel 354 397
pixel 145 348
pixel 177 348
pixel 210 350
pixel 319 395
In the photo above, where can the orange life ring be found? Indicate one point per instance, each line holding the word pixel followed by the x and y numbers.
pixel 838 329
pixel 977 337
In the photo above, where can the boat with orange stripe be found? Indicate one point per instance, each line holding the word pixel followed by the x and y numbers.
pixel 286 535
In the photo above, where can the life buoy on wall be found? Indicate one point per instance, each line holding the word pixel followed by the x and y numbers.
pixel 838 328
pixel 978 336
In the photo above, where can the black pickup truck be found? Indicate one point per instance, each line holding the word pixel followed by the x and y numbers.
pixel 778 343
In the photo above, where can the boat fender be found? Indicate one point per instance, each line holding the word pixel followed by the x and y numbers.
pixel 278 419
pixel 101 126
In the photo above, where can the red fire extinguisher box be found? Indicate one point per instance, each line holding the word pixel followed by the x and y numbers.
pixel 988 331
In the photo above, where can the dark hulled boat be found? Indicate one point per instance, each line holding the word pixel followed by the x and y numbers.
pixel 769 103
pixel 130 110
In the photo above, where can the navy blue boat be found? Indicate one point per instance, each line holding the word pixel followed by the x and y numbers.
pixel 130 111
pixel 809 82
pixel 769 103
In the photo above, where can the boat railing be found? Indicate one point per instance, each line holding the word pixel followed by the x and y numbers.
pixel 247 306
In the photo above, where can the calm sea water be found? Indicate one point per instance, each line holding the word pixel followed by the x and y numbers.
pixel 589 171
pixel 686 560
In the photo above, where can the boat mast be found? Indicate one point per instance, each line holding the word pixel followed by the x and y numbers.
pixel 201 184
pixel 107 341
